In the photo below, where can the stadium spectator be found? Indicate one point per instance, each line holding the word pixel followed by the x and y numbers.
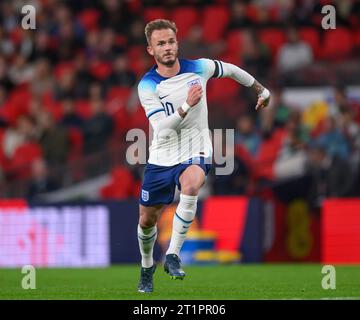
pixel 4 78
pixel 136 33
pixel 53 139
pixel 115 15
pixel 65 86
pixel 40 181
pixel 91 47
pixel 255 55
pixel 194 46
pixel 300 13
pixel 43 80
pixel 96 91
pixel 21 72
pixel 43 47
pixel 294 54
pixel 341 102
pixel 83 77
pixel 121 74
pixel 333 140
pixel 263 18
pixel 236 183
pixel 98 128
pixel 238 16
pixel 331 175
pixel 7 47
pixel 108 49
pixel 351 130
pixel 23 131
pixel 291 160
pixel 68 33
pixel 70 118
pixel 246 134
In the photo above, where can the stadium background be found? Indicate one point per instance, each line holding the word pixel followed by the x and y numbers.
pixel 68 97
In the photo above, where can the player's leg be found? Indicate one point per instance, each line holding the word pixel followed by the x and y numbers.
pixel 147 234
pixel 191 180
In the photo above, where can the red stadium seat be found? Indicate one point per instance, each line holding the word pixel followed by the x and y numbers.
pixel 222 89
pixel 88 18
pixel 338 44
pixel 356 36
pixel 17 103
pixel 267 154
pixel 100 69
pixel 184 18
pixel 234 41
pixel 153 13
pixel 121 185
pixel 252 12
pixel 273 38
pixel 23 158
pixel 215 19
pixel 83 108
pixel 122 121
pixel 3 158
pixel 138 119
pixel 311 36
pixel 76 140
pixel 62 68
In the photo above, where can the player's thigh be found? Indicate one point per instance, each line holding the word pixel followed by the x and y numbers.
pixel 149 215
pixel 191 180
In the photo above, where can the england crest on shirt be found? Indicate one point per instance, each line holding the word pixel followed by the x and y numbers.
pixel 144 195
pixel 194 82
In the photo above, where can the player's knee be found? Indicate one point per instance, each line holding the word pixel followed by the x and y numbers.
pixel 146 222
pixel 189 189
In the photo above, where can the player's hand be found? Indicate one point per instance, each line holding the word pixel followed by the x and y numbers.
pixel 194 95
pixel 262 103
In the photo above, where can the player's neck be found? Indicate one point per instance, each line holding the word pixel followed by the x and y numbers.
pixel 168 72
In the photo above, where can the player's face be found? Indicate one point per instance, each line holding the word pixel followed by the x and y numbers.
pixel 164 47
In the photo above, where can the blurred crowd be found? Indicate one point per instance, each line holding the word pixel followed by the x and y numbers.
pixel 67 89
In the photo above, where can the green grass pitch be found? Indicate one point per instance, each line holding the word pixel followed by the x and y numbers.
pixel 243 281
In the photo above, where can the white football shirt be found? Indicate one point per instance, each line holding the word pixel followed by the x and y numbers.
pixel 160 97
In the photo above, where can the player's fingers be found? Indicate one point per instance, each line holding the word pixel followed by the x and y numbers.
pixel 259 103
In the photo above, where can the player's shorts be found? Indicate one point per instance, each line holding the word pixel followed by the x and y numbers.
pixel 160 181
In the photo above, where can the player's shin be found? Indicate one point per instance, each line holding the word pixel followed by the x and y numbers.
pixel 183 217
pixel 147 238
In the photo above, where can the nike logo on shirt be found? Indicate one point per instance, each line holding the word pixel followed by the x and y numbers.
pixel 163 96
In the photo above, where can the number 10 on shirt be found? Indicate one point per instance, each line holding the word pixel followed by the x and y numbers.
pixel 168 107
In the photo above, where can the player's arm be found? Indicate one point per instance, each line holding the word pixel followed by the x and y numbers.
pixel 223 69
pixel 156 113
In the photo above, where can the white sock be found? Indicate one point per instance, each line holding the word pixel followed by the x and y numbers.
pixel 184 215
pixel 147 238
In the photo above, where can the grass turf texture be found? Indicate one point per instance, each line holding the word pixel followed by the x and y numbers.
pixel 282 281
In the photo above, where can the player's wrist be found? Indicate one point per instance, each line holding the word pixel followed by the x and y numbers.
pixel 185 107
pixel 265 94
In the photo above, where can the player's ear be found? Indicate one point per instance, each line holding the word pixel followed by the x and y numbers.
pixel 150 50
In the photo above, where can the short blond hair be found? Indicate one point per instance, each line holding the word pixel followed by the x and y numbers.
pixel 158 24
